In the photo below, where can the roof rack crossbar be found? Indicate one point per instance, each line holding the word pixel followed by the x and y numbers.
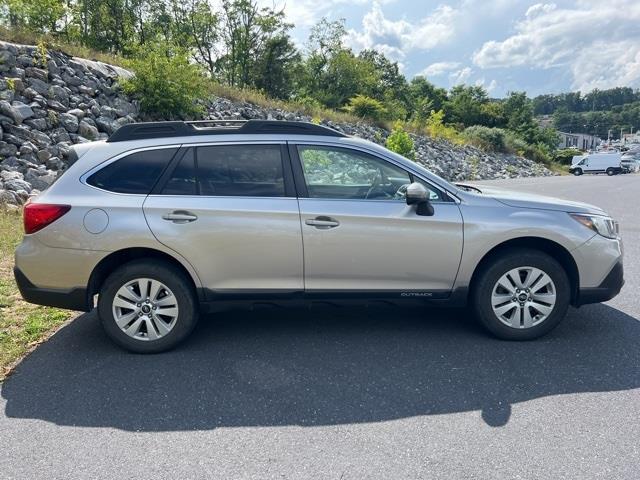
pixel 148 130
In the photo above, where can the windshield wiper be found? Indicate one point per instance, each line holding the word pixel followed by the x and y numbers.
pixel 468 188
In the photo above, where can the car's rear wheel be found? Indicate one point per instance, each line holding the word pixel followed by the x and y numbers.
pixel 611 172
pixel 521 295
pixel 147 307
pixel 577 172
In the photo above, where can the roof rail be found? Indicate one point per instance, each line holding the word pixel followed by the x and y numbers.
pixel 146 130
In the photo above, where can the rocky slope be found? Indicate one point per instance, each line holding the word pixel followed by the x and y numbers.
pixel 50 101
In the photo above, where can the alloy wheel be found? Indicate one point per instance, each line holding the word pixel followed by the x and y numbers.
pixel 523 297
pixel 145 309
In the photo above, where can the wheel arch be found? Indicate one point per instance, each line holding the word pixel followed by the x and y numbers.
pixel 118 258
pixel 551 248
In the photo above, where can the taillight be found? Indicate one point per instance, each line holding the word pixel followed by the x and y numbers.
pixel 38 215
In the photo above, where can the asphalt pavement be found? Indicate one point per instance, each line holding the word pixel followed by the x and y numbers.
pixel 339 393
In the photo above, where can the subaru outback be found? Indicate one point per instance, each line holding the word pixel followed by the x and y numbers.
pixel 165 221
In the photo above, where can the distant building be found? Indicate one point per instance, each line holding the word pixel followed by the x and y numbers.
pixel 581 141
pixel 631 138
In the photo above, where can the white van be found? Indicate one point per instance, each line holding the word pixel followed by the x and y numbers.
pixel 608 163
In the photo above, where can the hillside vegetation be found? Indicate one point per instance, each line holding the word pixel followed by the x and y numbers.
pixel 597 112
pixel 246 51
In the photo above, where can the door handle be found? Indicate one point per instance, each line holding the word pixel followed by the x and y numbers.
pixel 180 216
pixel 322 222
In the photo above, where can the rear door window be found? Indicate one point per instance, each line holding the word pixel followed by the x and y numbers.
pixel 134 174
pixel 240 171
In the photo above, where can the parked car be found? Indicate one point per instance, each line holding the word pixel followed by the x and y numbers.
pixel 630 162
pixel 166 220
pixel 608 163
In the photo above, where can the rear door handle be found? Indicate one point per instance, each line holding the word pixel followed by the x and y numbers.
pixel 180 216
pixel 322 222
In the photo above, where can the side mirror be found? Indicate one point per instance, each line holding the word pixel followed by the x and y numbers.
pixel 417 194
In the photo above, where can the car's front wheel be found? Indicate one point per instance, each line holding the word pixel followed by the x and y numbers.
pixel 577 172
pixel 521 295
pixel 147 307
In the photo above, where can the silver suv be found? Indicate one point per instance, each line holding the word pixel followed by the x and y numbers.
pixel 167 220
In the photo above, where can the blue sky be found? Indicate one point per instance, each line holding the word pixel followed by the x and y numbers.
pixel 504 45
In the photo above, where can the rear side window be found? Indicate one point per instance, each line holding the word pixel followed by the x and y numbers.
pixel 136 173
pixel 240 171
pixel 183 178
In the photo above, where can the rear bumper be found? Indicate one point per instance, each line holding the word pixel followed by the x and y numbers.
pixel 609 288
pixel 73 299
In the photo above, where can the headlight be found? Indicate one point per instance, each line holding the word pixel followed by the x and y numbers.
pixel 605 226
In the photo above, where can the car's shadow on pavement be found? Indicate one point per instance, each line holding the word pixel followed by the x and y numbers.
pixel 330 366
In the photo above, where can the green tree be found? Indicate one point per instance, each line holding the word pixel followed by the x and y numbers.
pixel 423 98
pixel 39 16
pixel 277 68
pixel 465 105
pixel 247 31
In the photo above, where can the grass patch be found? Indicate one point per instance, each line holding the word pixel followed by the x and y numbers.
pixel 22 325
pixel 24 37
pixel 260 99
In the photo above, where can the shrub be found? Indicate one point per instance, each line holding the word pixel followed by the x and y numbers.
pixel 538 152
pixel 166 84
pixel 366 107
pixel 565 156
pixel 437 129
pixel 400 142
pixel 489 139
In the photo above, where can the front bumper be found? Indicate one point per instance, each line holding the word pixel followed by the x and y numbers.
pixel 609 288
pixel 73 299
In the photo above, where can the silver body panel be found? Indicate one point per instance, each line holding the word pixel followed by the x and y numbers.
pixel 265 244
pixel 237 243
pixel 380 245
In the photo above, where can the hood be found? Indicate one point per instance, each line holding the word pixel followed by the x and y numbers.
pixel 530 200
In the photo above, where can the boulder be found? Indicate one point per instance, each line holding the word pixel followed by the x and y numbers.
pixel 18 111
pixel 38 85
pixel 69 122
pixel 7 149
pixel 106 124
pixel 7 60
pixel 87 131
pixel 39 179
pixel 7 197
pixel 16 184
pixel 59 94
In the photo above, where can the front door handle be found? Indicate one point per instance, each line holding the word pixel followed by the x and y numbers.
pixel 180 216
pixel 322 222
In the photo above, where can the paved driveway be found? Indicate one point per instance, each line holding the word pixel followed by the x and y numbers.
pixel 338 393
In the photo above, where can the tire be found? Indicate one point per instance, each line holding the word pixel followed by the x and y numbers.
pixel 577 172
pixel 611 172
pixel 150 331
pixel 521 326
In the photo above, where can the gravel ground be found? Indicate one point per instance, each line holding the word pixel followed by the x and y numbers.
pixel 344 393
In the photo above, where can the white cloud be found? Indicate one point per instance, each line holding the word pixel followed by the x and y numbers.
pixel 539 9
pixel 489 87
pixel 305 13
pixel 598 42
pixel 461 76
pixel 439 68
pixel 395 38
